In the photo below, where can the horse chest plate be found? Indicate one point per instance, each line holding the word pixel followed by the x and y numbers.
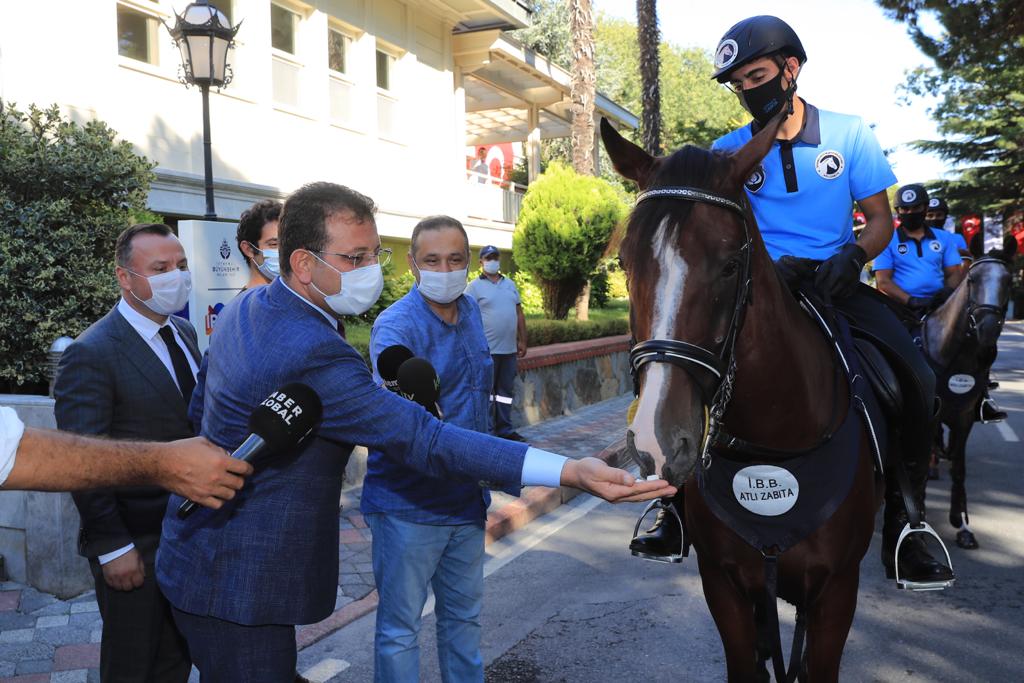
pixel 766 490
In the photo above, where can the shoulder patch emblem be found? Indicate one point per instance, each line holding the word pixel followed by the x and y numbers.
pixel 756 180
pixel 726 53
pixel 935 246
pixel 902 248
pixel 830 164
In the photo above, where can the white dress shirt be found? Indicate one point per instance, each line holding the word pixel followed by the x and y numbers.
pixel 11 431
pixel 150 333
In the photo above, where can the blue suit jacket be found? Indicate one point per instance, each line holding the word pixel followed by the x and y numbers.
pixel 271 555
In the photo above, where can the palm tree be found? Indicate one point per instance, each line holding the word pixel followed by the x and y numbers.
pixel 650 64
pixel 583 93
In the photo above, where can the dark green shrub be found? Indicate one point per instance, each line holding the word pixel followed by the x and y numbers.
pixel 541 332
pixel 563 231
pixel 66 192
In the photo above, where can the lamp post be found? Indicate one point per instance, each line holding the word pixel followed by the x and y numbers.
pixel 204 36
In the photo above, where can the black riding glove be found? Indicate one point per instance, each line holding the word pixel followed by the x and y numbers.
pixel 919 304
pixel 840 274
pixel 939 297
pixel 790 270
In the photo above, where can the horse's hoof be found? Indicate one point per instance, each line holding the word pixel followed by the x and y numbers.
pixel 965 539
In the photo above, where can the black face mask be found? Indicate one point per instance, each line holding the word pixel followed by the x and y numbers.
pixel 936 223
pixel 765 101
pixel 912 222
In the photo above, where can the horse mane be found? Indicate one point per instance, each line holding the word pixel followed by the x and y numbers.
pixel 690 166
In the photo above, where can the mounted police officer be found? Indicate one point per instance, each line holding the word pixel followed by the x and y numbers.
pixel 937 218
pixel 920 267
pixel 802 197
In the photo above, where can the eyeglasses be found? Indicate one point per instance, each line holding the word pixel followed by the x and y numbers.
pixel 380 255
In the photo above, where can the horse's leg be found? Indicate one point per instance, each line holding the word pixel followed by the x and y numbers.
pixel 828 625
pixel 959 431
pixel 734 617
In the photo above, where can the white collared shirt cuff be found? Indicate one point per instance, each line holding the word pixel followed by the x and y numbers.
pixel 110 557
pixel 11 431
pixel 541 468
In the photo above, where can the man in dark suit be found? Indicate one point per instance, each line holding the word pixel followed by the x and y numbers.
pixel 131 375
pixel 241 577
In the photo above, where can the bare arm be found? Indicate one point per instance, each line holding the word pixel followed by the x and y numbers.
pixel 521 338
pixel 48 460
pixel 887 286
pixel 877 232
pixel 953 275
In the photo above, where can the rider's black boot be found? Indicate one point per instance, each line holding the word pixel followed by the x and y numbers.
pixel 663 541
pixel 990 412
pixel 918 568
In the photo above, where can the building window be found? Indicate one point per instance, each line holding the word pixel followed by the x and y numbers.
pixel 338 47
pixel 385 66
pixel 283 26
pixel 286 69
pixel 136 35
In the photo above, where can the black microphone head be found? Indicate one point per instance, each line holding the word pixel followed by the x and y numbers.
pixel 388 362
pixel 417 380
pixel 286 416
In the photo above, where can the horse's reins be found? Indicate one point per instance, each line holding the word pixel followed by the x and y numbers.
pixel 713 372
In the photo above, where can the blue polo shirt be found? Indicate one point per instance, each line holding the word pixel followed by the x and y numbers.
pixel 803 192
pixel 917 265
pixel 462 359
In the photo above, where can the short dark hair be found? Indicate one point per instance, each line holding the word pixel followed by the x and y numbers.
pixel 305 212
pixel 436 223
pixel 250 225
pixel 123 246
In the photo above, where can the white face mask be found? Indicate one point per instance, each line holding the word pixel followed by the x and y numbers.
pixel 360 289
pixel 271 266
pixel 492 267
pixel 170 291
pixel 442 288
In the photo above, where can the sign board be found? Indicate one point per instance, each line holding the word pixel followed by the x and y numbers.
pixel 993 227
pixel 218 272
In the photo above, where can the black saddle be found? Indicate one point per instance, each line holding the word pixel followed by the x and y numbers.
pixel 880 375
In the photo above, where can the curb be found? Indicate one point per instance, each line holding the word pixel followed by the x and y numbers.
pixel 534 502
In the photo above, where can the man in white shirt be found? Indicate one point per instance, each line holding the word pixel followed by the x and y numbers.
pixel 131 375
pixel 47 460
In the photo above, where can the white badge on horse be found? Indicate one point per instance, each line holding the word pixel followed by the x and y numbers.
pixel 766 490
pixel 961 384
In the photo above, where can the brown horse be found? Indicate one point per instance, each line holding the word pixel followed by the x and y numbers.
pixel 960 340
pixel 704 288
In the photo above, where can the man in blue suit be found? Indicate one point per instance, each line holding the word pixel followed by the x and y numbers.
pixel 240 578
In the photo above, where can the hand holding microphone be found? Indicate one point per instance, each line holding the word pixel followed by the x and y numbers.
pixel 277 424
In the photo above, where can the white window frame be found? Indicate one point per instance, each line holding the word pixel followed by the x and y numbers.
pixel 155 13
pixel 291 59
pixel 392 93
pixel 346 77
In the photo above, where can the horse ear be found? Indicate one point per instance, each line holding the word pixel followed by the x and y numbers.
pixel 1009 247
pixel 977 246
pixel 747 157
pixel 629 160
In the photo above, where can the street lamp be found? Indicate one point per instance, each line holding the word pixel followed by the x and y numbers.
pixel 204 36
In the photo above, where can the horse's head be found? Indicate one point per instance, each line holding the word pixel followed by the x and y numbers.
pixel 988 293
pixel 687 253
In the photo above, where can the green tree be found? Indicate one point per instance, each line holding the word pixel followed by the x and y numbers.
pixel 563 231
pixel 978 78
pixel 66 192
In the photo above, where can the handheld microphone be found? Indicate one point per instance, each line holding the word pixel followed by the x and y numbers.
pixel 277 424
pixel 388 362
pixel 418 382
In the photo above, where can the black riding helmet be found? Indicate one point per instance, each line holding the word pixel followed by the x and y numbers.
pixel 911 195
pixel 752 38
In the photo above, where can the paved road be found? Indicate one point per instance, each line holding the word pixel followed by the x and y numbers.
pixel 577 607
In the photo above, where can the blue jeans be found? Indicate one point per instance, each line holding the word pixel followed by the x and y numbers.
pixel 407 557
pixel 505 368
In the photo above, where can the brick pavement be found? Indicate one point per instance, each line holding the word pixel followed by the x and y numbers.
pixel 46 640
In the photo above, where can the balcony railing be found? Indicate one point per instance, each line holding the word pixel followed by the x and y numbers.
pixel 492 198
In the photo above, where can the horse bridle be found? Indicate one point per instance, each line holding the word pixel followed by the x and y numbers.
pixel 972 307
pixel 713 372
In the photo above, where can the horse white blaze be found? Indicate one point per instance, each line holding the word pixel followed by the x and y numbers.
pixel 667 302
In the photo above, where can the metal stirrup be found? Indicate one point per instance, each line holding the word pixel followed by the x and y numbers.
pixel 657 504
pixel 902 582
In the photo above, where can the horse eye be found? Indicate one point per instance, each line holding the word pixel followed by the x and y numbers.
pixel 730 268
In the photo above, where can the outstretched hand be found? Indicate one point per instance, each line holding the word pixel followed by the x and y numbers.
pixel 202 472
pixel 614 485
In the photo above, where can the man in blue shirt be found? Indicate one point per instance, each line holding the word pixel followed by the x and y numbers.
pixel 921 265
pixel 937 218
pixel 802 197
pixel 429 531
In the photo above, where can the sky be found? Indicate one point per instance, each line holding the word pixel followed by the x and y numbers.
pixel 856 60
